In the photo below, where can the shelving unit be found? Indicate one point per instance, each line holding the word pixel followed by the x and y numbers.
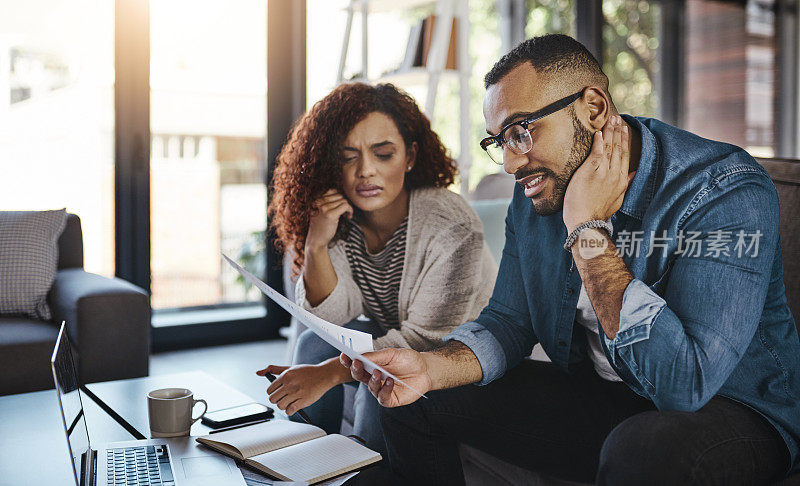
pixel 434 70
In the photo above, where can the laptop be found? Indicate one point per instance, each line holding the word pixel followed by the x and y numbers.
pixel 157 462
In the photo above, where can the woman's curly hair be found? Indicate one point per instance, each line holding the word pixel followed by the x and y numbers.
pixel 310 162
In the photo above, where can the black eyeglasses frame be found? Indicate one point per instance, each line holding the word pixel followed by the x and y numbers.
pixel 526 122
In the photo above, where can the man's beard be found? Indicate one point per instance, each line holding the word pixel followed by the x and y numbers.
pixel 581 147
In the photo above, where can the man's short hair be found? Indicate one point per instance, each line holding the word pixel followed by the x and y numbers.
pixel 551 53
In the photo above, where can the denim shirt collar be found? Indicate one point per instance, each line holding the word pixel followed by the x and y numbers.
pixel 643 187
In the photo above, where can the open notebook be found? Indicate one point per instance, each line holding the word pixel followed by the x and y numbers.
pixel 292 451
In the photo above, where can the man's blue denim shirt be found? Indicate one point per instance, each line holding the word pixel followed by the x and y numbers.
pixel 706 312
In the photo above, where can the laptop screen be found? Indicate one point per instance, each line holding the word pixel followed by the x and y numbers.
pixel 69 395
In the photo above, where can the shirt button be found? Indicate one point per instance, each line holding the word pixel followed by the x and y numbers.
pixel 569 291
pixel 562 343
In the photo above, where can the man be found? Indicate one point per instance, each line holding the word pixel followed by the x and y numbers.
pixel 674 356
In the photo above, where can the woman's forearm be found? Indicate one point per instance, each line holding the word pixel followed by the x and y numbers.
pixel 336 372
pixel 319 277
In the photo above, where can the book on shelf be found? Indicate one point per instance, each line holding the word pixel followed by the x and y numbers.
pixel 419 46
pixel 413 57
pixel 429 24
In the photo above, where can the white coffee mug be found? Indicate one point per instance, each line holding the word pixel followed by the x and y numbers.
pixel 170 411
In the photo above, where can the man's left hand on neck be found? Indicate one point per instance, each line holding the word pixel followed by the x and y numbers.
pixel 597 188
pixel 596 192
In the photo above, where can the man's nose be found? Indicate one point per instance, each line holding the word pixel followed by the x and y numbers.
pixel 513 161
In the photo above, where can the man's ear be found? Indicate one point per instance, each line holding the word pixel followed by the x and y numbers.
pixel 598 107
pixel 411 156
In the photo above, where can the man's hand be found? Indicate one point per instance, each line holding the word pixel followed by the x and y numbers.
pixel 597 188
pixel 406 364
pixel 454 364
pixel 596 191
pixel 301 385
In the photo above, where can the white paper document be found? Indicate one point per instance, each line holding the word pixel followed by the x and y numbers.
pixel 348 341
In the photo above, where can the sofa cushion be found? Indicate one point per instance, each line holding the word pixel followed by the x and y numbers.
pixel 16 331
pixel 785 175
pixel 492 213
pixel 483 469
pixel 28 260
pixel 27 345
pixel 70 244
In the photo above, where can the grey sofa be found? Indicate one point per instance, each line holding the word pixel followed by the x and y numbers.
pixel 108 321
pixel 785 174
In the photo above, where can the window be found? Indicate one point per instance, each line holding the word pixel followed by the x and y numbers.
pixel 208 161
pixel 731 73
pixel 630 54
pixel 550 17
pixel 57 116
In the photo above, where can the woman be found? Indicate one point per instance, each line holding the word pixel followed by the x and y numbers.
pixel 360 200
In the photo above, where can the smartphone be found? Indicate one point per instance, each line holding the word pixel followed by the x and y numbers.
pixel 237 415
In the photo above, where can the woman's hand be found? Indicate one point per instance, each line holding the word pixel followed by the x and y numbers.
pixel 325 216
pixel 320 277
pixel 301 385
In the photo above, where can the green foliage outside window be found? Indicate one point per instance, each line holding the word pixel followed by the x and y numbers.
pixel 630 48
pixel 550 17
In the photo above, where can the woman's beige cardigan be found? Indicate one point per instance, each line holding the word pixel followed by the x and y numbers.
pixel 448 274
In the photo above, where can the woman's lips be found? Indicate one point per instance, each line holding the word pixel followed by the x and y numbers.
pixel 533 184
pixel 368 190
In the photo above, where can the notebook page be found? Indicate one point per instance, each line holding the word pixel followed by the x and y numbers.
pixel 318 459
pixel 268 436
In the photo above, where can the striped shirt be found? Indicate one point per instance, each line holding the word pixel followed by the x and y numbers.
pixel 378 275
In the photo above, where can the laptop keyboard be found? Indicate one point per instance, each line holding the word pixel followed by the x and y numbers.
pixel 140 466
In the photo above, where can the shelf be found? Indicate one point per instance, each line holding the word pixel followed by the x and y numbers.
pixel 417 76
pixel 378 6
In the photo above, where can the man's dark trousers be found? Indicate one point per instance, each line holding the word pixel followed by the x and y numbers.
pixel 580 427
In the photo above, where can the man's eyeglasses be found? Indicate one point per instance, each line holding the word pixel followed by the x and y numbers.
pixel 518 135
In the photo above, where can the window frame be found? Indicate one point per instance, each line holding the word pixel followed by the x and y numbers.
pixel 286 76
